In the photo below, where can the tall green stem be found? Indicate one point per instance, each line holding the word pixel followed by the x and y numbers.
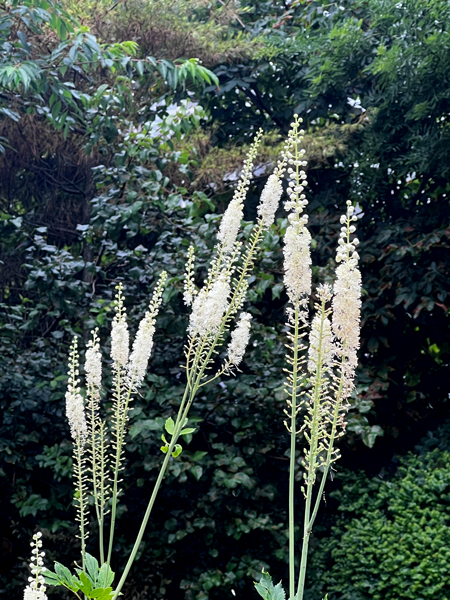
pixel 312 463
pixel 121 421
pixel 81 500
pixel 177 428
pixel 292 458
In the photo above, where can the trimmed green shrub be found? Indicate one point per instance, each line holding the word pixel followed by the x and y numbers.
pixel 392 538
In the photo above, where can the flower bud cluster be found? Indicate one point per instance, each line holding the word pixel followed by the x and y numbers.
pixel 190 291
pixel 347 247
pixel 74 400
pixel 232 217
pixel 239 339
pixel 297 240
pixel 120 337
pixel 36 588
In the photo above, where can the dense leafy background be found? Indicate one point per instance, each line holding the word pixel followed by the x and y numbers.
pixel 120 148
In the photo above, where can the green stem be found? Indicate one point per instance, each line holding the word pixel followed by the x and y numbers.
pixel 121 421
pixel 81 501
pixel 177 428
pixel 312 466
pixel 292 460
pixel 337 407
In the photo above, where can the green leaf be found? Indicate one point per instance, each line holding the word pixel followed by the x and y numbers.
pixel 92 567
pixel 105 576
pixel 187 431
pixel 63 573
pixel 101 593
pixel 86 583
pixel 169 426
pixel 267 590
pixel 52 578
pixel 177 450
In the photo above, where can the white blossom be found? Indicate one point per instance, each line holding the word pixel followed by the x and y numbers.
pixel 232 217
pixel 75 414
pixel 239 339
pixel 297 239
pixel 142 348
pixel 93 367
pixel 143 343
pixel 36 588
pixel 120 337
pixel 120 341
pixel 74 401
pixel 231 221
pixel 190 290
pixel 347 300
pixel 297 260
pixel 270 199
pixel 209 307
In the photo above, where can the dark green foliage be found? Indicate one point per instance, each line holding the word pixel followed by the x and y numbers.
pixel 392 537
pixel 110 197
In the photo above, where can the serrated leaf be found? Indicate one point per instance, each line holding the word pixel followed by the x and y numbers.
pixel 169 426
pixel 86 584
pixel 267 590
pixel 102 593
pixel 105 576
pixel 51 578
pixel 92 567
pixel 63 573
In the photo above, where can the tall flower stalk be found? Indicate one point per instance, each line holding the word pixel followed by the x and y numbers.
pixel 321 368
pixel 322 358
pixel 216 314
pixel 214 308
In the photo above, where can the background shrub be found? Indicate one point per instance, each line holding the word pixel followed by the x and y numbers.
pixel 391 540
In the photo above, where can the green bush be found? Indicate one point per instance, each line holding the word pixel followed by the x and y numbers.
pixel 392 538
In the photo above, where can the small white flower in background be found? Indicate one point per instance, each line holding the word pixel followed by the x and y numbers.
pixel 270 199
pixel 120 337
pixel 35 590
pixel 74 400
pixel 209 307
pixel 239 339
